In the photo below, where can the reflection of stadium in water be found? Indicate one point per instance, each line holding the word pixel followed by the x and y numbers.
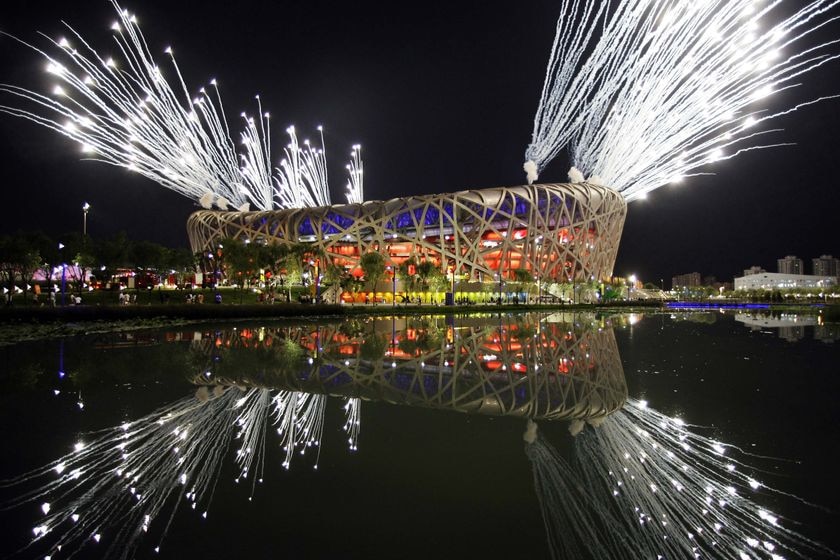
pixel 561 368
pixel 791 326
pixel 279 378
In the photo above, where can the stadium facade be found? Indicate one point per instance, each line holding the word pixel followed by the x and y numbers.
pixel 557 232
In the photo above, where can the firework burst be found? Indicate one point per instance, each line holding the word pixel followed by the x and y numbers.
pixel 123 111
pixel 646 92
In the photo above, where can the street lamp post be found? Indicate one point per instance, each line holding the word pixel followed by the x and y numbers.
pixel 63 272
pixel 393 272
pixel 85 208
pixel 317 264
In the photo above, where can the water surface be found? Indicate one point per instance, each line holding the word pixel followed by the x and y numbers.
pixel 436 465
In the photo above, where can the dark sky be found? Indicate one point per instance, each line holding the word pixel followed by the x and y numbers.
pixel 442 97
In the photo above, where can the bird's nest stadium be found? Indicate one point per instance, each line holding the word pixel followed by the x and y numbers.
pixel 556 232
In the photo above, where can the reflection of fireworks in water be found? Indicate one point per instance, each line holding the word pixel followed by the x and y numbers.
pixel 122 478
pixel 644 92
pixel 300 422
pixel 353 408
pixel 574 519
pixel 645 486
pixel 125 113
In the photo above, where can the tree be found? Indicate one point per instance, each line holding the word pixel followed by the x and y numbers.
pixel 525 279
pixel 236 258
pixel 333 274
pixel 79 252
pixel 182 261
pixel 424 270
pixel 612 293
pixel 437 280
pixel 268 258
pixel 149 256
pixel 373 267
pixel 18 261
pixel 407 273
pixel 290 265
pixel 112 253
pixel 47 248
pixel 430 276
pixel 241 261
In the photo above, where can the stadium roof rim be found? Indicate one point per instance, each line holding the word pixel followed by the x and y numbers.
pixel 487 196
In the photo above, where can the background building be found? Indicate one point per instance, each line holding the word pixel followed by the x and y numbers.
pixel 690 280
pixel 754 270
pixel 790 265
pixel 825 265
pixel 779 281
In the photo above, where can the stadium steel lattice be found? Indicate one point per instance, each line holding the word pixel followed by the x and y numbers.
pixel 556 232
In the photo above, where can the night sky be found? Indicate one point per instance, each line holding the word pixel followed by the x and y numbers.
pixel 442 98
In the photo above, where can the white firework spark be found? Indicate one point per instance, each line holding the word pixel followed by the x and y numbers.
pixel 656 488
pixel 124 112
pixel 355 181
pixel 645 92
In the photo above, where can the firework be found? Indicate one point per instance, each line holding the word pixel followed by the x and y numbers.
pixel 645 92
pixel 355 182
pixel 301 179
pixel 123 111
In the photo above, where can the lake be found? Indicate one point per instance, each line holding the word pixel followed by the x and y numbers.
pixel 542 435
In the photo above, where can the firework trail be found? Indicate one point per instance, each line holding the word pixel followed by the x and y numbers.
pixel 645 485
pixel 645 92
pixel 301 179
pixel 124 112
pixel 355 183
